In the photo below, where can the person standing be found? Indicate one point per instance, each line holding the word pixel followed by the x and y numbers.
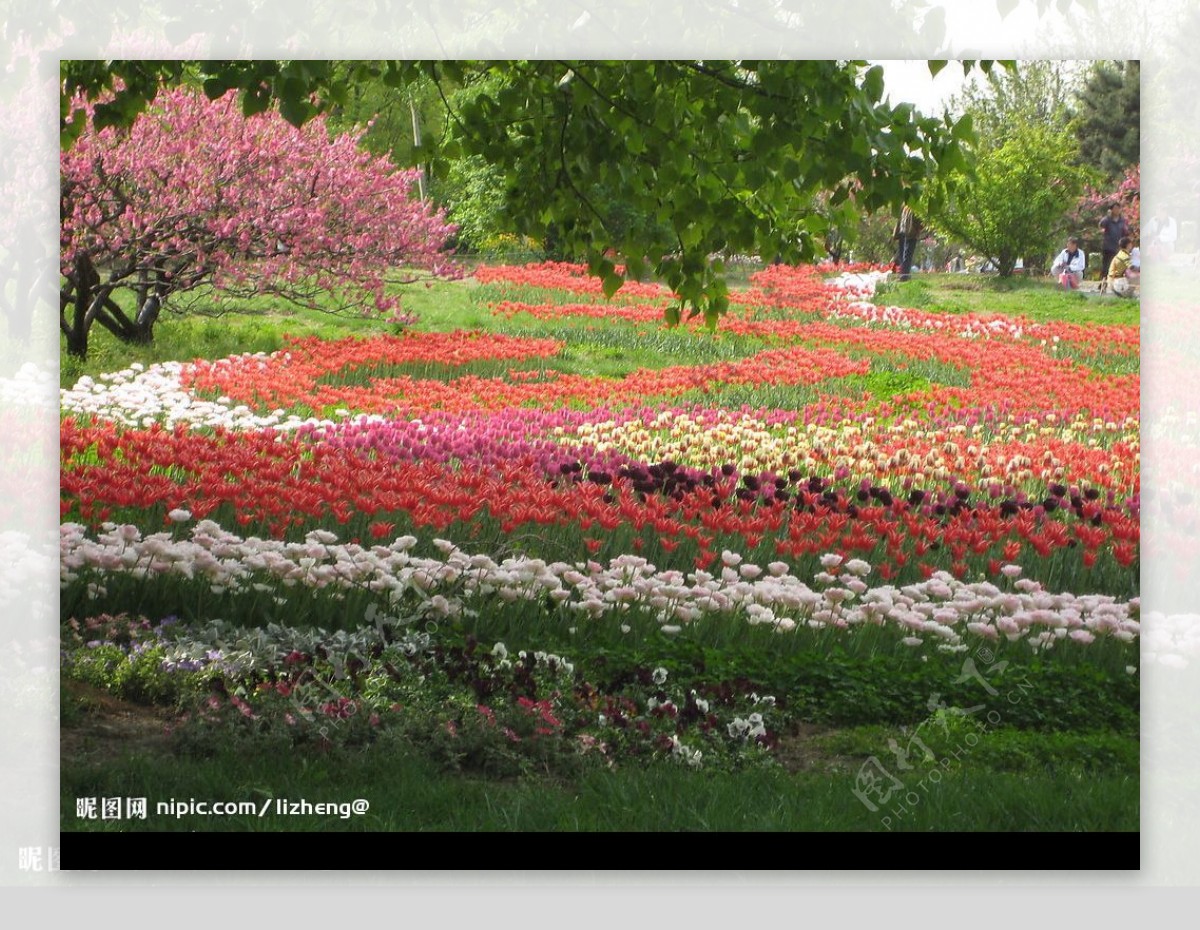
pixel 1114 228
pixel 1069 265
pixel 908 231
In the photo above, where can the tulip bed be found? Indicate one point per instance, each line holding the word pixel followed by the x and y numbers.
pixel 815 515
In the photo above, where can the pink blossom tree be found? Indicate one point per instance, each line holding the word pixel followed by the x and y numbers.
pixel 197 206
pixel 1094 203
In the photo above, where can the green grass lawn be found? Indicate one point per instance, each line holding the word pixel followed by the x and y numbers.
pixel 409 793
pixel 611 351
pixel 1037 298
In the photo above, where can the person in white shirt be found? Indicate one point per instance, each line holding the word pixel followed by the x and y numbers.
pixel 1069 265
pixel 1160 235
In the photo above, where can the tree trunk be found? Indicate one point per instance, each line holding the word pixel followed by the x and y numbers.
pixel 76 331
pixel 147 316
pixel 416 125
pixel 109 315
pixel 80 295
pixel 77 341
pixel 25 294
pixel 92 303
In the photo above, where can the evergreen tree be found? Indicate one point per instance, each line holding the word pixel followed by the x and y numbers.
pixel 1109 117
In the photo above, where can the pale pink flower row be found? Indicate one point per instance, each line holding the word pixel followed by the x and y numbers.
pixel 941 610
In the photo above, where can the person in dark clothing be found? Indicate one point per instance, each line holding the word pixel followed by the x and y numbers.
pixel 908 231
pixel 1115 228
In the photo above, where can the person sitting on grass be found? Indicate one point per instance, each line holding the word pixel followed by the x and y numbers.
pixel 1118 281
pixel 1069 265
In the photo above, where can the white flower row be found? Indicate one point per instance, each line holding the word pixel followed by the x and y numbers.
pixel 860 283
pixel 26 573
pixel 902 318
pixel 30 386
pixel 942 609
pixel 1172 640
pixel 138 397
pixel 859 288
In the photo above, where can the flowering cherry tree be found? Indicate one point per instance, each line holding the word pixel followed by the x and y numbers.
pixel 1095 203
pixel 196 205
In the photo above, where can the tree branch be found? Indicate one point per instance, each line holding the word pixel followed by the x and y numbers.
pixel 565 173
pixel 105 320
